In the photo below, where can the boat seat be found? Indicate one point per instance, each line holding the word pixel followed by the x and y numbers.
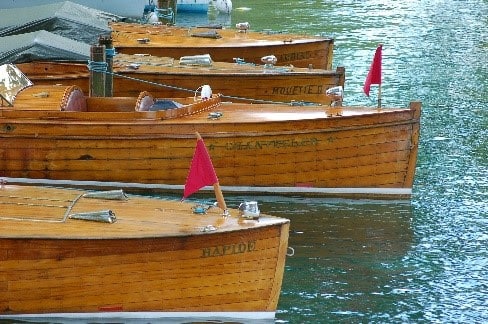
pixel 49 97
pixel 73 99
pixel 144 101
pixel 164 104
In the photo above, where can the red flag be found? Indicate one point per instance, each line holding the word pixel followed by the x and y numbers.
pixel 374 74
pixel 202 172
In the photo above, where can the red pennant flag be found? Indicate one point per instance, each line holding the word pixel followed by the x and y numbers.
pixel 374 74
pixel 202 172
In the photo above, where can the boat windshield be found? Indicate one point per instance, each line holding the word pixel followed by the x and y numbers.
pixel 12 81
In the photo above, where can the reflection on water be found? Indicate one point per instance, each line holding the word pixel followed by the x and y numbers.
pixel 199 19
pixel 348 256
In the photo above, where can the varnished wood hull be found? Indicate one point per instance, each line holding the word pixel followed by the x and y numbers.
pixel 167 79
pixel 258 146
pixel 157 257
pixel 290 49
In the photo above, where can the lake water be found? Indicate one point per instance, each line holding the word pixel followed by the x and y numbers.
pixel 418 261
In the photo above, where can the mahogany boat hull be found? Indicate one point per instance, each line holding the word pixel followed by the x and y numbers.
pixel 158 257
pixel 289 49
pixel 253 146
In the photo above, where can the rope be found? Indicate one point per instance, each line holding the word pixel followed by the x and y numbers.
pixel 95 67
pixel 66 214
pixel 150 82
pixel 100 67
pixel 110 52
pixel 33 198
pixel 292 103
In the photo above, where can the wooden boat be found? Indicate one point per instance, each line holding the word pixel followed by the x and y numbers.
pixel 224 45
pixel 166 77
pixel 55 132
pixel 81 255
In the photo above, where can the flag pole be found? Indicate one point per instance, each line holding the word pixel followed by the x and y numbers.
pixel 220 199
pixel 379 85
pixel 218 191
pixel 379 95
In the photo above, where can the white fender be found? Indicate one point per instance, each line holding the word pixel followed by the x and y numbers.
pixel 206 92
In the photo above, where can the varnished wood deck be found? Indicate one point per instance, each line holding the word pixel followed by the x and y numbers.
pixel 157 257
pixel 294 49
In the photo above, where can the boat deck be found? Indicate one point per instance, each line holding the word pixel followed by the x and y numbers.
pixel 140 64
pixel 137 35
pixel 44 212
pixel 50 99
pixel 267 113
pixel 156 64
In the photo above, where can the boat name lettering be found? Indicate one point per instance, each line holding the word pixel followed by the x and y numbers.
pixel 221 250
pixel 275 144
pixel 295 56
pixel 297 90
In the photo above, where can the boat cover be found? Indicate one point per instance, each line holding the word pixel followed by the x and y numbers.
pixel 66 18
pixel 41 46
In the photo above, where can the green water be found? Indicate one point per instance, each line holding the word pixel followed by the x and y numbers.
pixel 423 261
